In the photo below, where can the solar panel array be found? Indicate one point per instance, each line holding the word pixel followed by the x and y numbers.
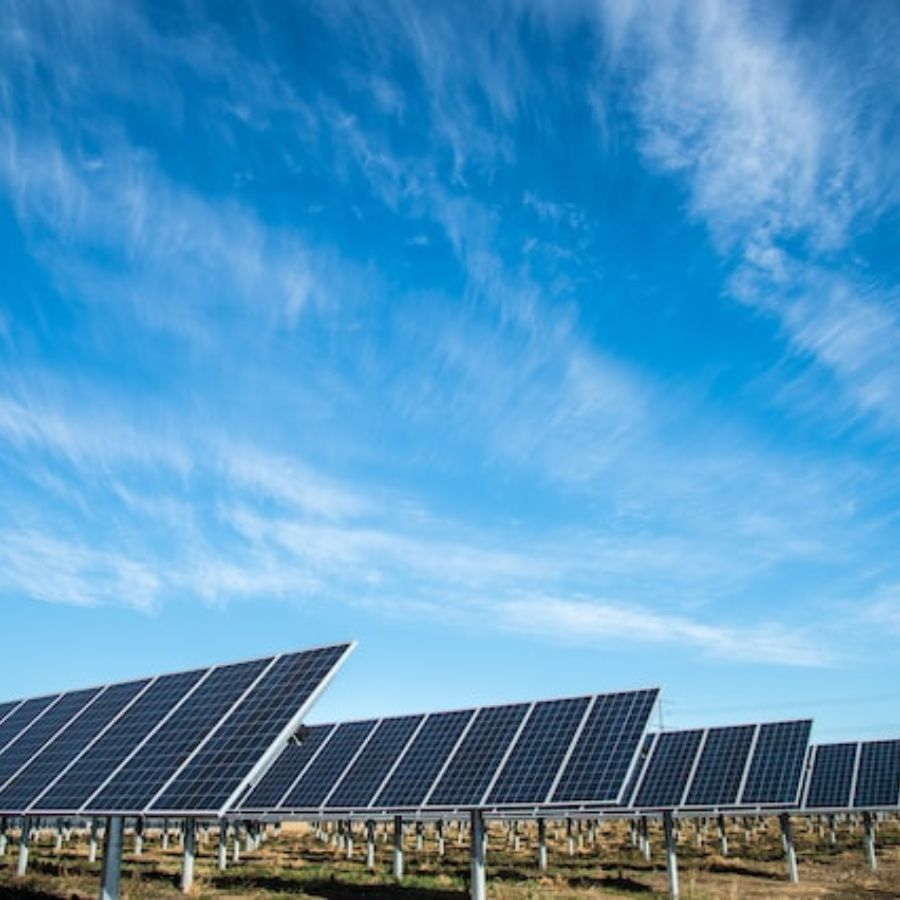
pixel 854 775
pixel 576 751
pixel 743 766
pixel 181 743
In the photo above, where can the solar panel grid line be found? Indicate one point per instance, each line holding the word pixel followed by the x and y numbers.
pixel 52 738
pixel 633 784
pixel 855 780
pixel 86 805
pixel 305 768
pixel 7 709
pixel 294 722
pixel 400 757
pixel 668 771
pixel 87 748
pixel 217 727
pixel 571 748
pixel 639 784
pixel 810 768
pixel 750 756
pixel 355 756
pixel 13 737
pixel 450 756
pixel 692 774
pixel 498 771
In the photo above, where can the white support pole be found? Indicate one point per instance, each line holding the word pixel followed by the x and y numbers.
pixel 671 855
pixel 570 838
pixel 477 879
pixel 723 836
pixel 348 834
pixel 3 826
pixel 645 838
pixel 236 843
pixel 165 834
pixel 420 836
pixel 222 860
pixel 398 848
pixel 92 842
pixel 542 845
pixel 869 840
pixel 112 859
pixel 370 846
pixel 790 852
pixel 58 832
pixel 24 838
pixel 139 837
pixel 439 828
pixel 248 838
pixel 189 833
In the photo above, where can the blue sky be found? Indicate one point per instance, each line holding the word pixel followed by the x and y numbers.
pixel 543 347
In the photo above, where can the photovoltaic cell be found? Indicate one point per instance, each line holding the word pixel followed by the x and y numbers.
pixel 628 797
pixel 358 785
pixel 529 772
pixel 7 708
pixel 17 721
pixel 831 777
pixel 219 766
pixel 410 781
pixel 717 779
pixel 30 740
pixel 135 785
pixel 71 791
pixel 316 783
pixel 668 770
pixel 777 765
pixel 599 763
pixel 286 769
pixel 56 755
pixel 469 773
pixel 878 776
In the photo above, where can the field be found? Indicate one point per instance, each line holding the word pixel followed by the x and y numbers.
pixel 295 863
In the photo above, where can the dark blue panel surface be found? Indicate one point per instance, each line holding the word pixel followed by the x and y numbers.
pixel 71 792
pixel 16 722
pixel 6 709
pixel 358 785
pixel 142 776
pixel 776 769
pixel 29 741
pixel 475 762
pixel 598 766
pixel 831 778
pixel 318 780
pixel 44 767
pixel 287 769
pixel 534 763
pixel 225 760
pixel 722 764
pixel 878 777
pixel 411 780
pixel 668 770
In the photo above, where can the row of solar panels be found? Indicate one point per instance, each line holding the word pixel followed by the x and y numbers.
pixel 567 752
pixel 857 775
pixel 180 743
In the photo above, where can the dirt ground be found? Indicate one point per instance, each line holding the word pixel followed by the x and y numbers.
pixel 294 863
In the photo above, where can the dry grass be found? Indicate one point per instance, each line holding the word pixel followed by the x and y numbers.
pixel 296 864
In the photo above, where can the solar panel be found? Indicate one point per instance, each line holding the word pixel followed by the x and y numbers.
pixel 22 716
pixel 668 769
pixel 192 740
pixel 776 769
pixel 316 783
pixel 423 760
pixel 18 793
pixel 217 769
pixel 365 776
pixel 637 772
pixel 831 776
pixel 474 764
pixel 531 768
pixel 723 761
pixel 287 769
pixel 606 748
pixel 40 730
pixel 878 775
pixel 7 708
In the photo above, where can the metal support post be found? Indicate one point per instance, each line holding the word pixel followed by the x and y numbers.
pixel 398 847
pixel 790 852
pixel 542 845
pixel 24 838
pixel 348 834
pixel 420 836
pixel 439 828
pixel 187 866
pixel 370 846
pixel 570 838
pixel 671 855
pixel 222 861
pixel 869 839
pixel 478 879
pixel 138 837
pixel 112 858
pixel 645 838
pixel 723 836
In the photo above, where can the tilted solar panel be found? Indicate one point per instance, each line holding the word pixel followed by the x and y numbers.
pixel 8 708
pixel 776 770
pixel 606 748
pixel 668 770
pixel 21 717
pixel 878 776
pixel 831 776
pixel 422 762
pixel 723 761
